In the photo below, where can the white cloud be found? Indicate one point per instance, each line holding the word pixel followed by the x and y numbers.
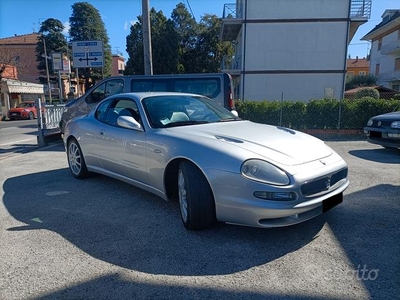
pixel 128 24
pixel 67 26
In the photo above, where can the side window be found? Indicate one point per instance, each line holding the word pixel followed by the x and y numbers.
pixel 155 85
pixel 108 112
pixel 101 112
pixel 209 87
pixel 127 107
pixel 97 94
pixel 104 90
pixel 113 87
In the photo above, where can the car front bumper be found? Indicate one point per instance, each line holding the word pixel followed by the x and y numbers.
pixel 236 203
pixel 387 137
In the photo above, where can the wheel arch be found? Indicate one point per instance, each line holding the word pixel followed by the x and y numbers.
pixel 171 178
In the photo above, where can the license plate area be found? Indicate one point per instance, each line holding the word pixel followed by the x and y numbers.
pixel 332 202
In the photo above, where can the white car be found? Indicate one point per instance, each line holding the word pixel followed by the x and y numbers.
pixel 219 167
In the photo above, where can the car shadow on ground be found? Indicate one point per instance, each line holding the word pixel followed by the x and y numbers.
pixel 125 226
pixel 128 227
pixel 368 231
pixel 389 156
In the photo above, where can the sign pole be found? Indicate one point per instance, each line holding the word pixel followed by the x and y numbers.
pixel 77 82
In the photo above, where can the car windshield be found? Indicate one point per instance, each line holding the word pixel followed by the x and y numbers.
pixel 25 105
pixel 179 110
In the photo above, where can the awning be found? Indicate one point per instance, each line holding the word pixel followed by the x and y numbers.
pixel 21 87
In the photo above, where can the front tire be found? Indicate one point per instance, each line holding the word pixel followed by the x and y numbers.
pixel 76 161
pixel 196 200
pixel 31 116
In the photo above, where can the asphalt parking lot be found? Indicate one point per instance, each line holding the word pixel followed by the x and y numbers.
pixel 63 238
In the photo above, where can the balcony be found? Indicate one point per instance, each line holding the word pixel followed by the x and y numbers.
pixel 389 76
pixel 232 65
pixel 391 48
pixel 360 9
pixel 232 19
pixel 360 12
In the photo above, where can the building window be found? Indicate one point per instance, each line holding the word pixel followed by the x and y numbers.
pixel 379 44
pixel 397 64
pixel 362 73
pixel 350 73
pixel 377 67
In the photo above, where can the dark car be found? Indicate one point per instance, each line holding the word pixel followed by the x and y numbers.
pixel 384 130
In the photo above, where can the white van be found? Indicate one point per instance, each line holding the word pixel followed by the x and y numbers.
pixel 217 87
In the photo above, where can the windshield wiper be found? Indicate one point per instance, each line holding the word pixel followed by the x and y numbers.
pixel 230 119
pixel 183 123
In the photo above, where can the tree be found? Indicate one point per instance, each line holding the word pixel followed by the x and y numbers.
pixel 187 30
pixel 86 24
pixel 50 34
pixel 361 80
pixel 209 47
pixel 164 42
pixel 179 44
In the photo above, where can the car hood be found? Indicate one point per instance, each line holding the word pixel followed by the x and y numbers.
pixel 16 109
pixel 391 116
pixel 282 145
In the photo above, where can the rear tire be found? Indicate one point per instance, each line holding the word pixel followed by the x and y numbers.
pixel 196 200
pixel 76 161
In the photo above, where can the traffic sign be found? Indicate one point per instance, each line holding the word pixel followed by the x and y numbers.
pixel 88 54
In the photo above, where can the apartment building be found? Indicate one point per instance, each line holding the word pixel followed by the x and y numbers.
pixel 291 49
pixel 118 65
pixel 357 66
pixel 24 47
pixel 385 49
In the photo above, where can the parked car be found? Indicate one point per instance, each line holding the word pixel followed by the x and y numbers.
pixel 218 87
pixel 25 110
pixel 220 167
pixel 384 130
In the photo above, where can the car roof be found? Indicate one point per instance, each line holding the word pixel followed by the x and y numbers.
pixel 141 95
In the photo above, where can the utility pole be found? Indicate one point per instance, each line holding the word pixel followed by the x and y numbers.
pixel 47 69
pixel 148 60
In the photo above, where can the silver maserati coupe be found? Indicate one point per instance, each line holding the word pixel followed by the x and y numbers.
pixel 218 166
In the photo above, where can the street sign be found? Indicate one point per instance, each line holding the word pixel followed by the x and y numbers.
pixel 88 54
pixel 66 67
pixel 57 61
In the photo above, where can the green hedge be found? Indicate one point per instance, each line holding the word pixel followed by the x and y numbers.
pixel 318 114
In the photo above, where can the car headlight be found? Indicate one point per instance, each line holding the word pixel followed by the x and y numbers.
pixel 395 124
pixel 370 122
pixel 265 172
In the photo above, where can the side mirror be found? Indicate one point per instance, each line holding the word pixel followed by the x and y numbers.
pixel 235 113
pixel 129 123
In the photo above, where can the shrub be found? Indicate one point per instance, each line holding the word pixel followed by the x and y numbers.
pixel 367 92
pixel 318 114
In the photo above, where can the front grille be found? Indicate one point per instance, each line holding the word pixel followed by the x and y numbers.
pixel 384 123
pixel 322 184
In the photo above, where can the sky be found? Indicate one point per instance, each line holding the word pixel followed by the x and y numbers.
pixel 24 17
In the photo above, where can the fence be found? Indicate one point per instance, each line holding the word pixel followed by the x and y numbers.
pixel 49 117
